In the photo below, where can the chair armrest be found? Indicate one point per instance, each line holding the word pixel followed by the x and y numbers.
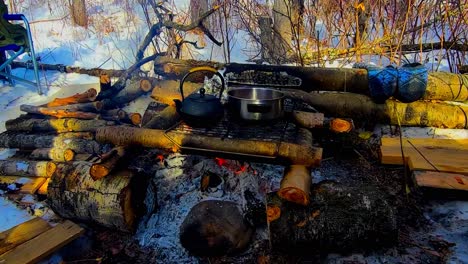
pixel 13 16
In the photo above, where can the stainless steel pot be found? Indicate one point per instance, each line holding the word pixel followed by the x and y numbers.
pixel 254 103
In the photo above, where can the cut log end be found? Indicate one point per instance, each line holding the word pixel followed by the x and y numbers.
pixel 273 213
pixel 51 168
pixel 294 195
pixel 68 155
pixel 98 171
pixel 295 186
pixel 135 118
pixel 145 85
pixel 339 125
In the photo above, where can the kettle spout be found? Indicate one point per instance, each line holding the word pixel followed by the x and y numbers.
pixel 178 104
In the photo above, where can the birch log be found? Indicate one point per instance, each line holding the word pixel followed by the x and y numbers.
pixel 110 202
pixel 55 154
pixel 58 113
pixel 133 89
pixel 26 141
pixel 107 164
pixel 356 106
pixel 24 168
pixel 55 125
pixel 155 138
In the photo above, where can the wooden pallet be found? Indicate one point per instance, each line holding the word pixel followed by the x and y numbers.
pixel 436 163
pixel 34 240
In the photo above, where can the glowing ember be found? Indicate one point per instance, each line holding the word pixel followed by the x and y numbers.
pixel 220 161
pixel 160 158
pixel 242 169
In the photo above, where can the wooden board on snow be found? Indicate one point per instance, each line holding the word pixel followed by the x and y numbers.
pixel 30 184
pixel 441 180
pixel 43 245
pixel 446 155
pixel 19 234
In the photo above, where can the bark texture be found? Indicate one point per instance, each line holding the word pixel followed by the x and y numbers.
pixel 419 113
pixel 59 113
pixel 107 164
pixel 24 168
pixel 88 96
pixel 55 125
pixel 54 154
pixel 110 202
pixel 154 138
pixel 338 218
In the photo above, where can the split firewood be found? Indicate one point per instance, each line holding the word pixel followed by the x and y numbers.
pixel 295 185
pixel 153 109
pixel 107 163
pixel 24 168
pixel 26 141
pixel 133 89
pixel 419 113
pixel 109 202
pixel 58 113
pixel 55 125
pixel 122 117
pixel 88 96
pixel 301 154
pixel 358 215
pixel 164 119
pixel 55 154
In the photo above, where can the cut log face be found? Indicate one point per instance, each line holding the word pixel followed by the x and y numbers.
pixel 72 193
pixel 214 228
pixel 295 186
pixel 338 218
pixel 55 154
pixel 107 164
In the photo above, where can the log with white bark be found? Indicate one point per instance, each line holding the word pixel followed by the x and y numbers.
pixel 440 86
pixel 339 218
pixel 54 154
pixel 112 201
pixel 93 107
pixel 164 119
pixel 58 113
pixel 27 141
pixel 55 125
pixel 356 106
pixel 134 88
pixel 24 168
pixel 155 138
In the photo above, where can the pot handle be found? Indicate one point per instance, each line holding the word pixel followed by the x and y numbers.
pixel 258 108
pixel 198 69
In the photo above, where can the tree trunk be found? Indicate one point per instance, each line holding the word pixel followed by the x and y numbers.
pixel 55 125
pixel 54 154
pixel 338 218
pixel 111 201
pixel 58 113
pixel 25 141
pixel 107 164
pixel 24 168
pixel 419 113
pixel 154 138
pixel 78 13
pixel 286 27
pixel 88 96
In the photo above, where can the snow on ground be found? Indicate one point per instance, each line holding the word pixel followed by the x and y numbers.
pixel 110 42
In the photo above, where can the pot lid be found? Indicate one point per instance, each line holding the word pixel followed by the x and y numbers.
pixel 202 97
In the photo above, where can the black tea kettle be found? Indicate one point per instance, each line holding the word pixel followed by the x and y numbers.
pixel 200 109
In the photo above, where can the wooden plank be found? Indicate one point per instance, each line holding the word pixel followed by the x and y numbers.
pixel 428 142
pixel 43 189
pixel 446 155
pixel 441 180
pixel 29 184
pixel 19 234
pixel 43 245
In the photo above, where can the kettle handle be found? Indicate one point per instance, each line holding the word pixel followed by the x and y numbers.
pixel 202 68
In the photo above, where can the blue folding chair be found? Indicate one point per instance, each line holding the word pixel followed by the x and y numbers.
pixel 15 42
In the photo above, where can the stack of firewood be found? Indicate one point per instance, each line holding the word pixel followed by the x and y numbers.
pixel 56 142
